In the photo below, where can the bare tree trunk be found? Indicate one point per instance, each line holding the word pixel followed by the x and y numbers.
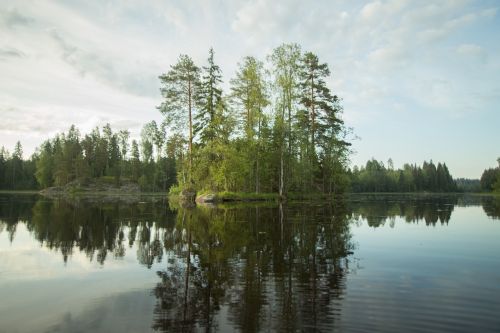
pixel 282 180
pixel 289 157
pixel 313 115
pixel 190 132
pixel 281 174
pixel 257 184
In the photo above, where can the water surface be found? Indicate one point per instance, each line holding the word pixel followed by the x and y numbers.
pixel 368 263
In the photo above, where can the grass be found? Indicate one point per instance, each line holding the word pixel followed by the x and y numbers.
pixel 245 196
pixel 226 196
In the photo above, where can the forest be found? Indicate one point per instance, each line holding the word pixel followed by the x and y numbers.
pixel 277 129
pixel 490 179
pixel 68 157
pixel 376 177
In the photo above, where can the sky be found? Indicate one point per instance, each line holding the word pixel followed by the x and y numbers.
pixel 420 80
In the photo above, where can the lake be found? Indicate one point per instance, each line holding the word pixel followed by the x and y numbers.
pixel 368 263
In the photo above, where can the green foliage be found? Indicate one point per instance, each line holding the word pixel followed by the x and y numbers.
pixel 250 95
pixel 266 135
pixel 496 185
pixel 104 157
pixel 209 100
pixel 278 131
pixel 468 185
pixel 375 177
pixel 490 179
pixel 175 190
pixel 259 138
pixel 15 172
pixel 180 87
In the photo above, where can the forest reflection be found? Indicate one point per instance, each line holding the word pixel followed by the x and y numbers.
pixel 279 267
pixel 267 266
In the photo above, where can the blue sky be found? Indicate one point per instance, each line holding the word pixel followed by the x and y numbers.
pixel 420 80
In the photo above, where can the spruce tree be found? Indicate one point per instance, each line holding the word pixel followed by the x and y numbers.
pixel 209 97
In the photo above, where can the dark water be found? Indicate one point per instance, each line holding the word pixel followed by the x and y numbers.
pixel 366 264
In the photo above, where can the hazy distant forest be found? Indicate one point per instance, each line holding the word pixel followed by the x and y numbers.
pixel 278 129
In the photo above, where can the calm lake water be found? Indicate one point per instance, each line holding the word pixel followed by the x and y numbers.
pixel 365 264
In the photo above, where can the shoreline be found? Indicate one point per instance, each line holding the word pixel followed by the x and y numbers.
pixel 227 197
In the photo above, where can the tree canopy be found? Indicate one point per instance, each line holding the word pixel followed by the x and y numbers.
pixel 278 128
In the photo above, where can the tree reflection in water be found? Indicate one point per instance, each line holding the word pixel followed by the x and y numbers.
pixel 273 267
pixel 491 206
pixel 265 266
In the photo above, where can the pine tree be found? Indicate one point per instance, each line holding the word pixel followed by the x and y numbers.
pixel 3 167
pixel 323 120
pixel 136 162
pixel 17 158
pixel 179 89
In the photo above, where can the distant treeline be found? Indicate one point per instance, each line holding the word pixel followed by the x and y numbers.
pixel 106 156
pixel 102 156
pixel 490 179
pixel 15 172
pixel 468 185
pixel 376 177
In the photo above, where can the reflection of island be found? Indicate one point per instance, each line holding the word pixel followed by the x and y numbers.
pixel 278 268
pixel 281 268
pixel 97 229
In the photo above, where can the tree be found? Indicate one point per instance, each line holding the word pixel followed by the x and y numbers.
pixel 17 158
pixel 323 120
pixel 123 136
pixel 333 146
pixel 249 92
pixel 136 162
pixel 314 93
pixel 147 137
pixel 44 165
pixel 209 97
pixel 4 155
pixel 179 89
pixel 281 132
pixel 285 60
pixel 488 178
pixel 496 184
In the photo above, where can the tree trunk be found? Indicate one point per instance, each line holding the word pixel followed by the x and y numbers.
pixel 257 184
pixel 313 151
pixel 190 133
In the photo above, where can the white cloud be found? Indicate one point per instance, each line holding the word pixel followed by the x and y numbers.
pixel 6 53
pixel 11 18
pixel 472 51
pixel 90 62
pixel 372 10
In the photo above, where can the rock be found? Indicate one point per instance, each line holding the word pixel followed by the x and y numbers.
pixel 207 198
pixel 91 187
